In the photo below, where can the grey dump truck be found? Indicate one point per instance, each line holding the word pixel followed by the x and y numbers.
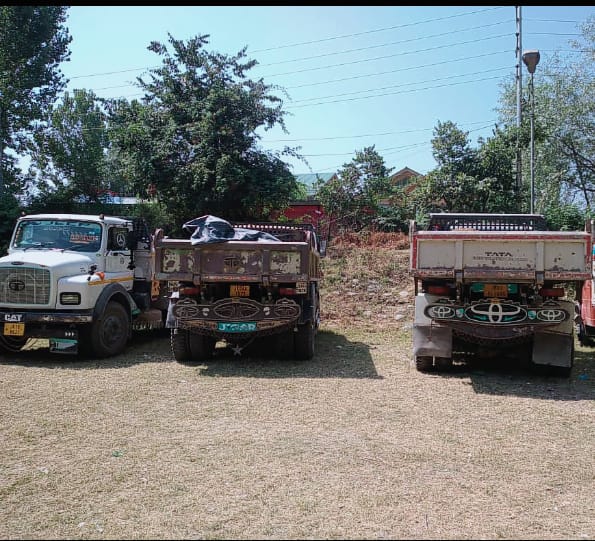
pixel 236 283
pixel 488 284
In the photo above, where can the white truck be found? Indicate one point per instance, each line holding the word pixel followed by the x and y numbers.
pixel 492 284
pixel 84 282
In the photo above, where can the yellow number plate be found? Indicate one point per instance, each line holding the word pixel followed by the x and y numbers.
pixel 236 290
pixel 14 329
pixel 495 290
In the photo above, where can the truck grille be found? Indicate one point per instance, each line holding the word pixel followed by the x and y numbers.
pixel 24 285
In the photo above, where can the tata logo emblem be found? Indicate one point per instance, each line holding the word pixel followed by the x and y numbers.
pixel 16 285
pixel 498 254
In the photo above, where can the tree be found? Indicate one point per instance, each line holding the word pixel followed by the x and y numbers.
pixel 193 136
pixel 70 151
pixel 33 42
pixel 351 198
pixel 564 131
pixel 466 179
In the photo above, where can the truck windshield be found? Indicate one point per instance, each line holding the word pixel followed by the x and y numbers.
pixel 58 234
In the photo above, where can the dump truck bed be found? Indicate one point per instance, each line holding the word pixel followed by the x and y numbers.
pixel 496 255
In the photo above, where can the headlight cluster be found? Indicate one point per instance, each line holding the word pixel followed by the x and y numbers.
pixel 70 298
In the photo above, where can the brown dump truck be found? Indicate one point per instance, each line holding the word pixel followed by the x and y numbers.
pixel 257 280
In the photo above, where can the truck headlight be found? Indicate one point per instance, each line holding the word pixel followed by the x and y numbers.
pixel 70 298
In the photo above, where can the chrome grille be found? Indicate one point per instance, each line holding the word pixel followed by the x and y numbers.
pixel 24 285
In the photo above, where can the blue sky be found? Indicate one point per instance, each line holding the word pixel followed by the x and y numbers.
pixel 355 76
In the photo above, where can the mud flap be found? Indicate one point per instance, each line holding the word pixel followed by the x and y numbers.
pixel 553 349
pixel 432 341
pixel 429 338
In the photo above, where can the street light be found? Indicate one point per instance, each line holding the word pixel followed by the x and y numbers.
pixel 531 59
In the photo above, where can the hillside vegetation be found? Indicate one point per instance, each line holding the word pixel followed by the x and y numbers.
pixel 366 281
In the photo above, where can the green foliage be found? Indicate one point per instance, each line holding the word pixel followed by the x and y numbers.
pixel 565 217
pixel 33 42
pixel 466 179
pixel 154 213
pixel 393 218
pixel 351 198
pixel 69 153
pixel 564 124
pixel 9 212
pixel 194 137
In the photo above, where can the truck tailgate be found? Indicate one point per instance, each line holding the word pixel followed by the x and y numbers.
pixel 493 255
pixel 233 261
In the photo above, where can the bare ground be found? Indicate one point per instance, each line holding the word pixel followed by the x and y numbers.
pixel 354 444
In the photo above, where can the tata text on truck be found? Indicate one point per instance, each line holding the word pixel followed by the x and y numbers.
pixel 239 282
pixel 490 283
pixel 83 282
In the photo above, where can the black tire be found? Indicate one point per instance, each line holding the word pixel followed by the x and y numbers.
pixel 188 347
pixel 12 344
pixel 443 363
pixel 303 341
pixel 583 339
pixel 424 363
pixel 201 347
pixel 108 335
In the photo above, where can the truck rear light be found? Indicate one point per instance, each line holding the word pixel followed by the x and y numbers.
pixel 551 291
pixel 287 291
pixel 189 291
pixel 438 290
pixel 70 298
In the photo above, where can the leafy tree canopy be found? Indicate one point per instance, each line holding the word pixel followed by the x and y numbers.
pixel 351 198
pixel 193 136
pixel 33 43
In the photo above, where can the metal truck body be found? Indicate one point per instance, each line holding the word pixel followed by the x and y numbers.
pixel 485 283
pixel 236 291
pixel 82 281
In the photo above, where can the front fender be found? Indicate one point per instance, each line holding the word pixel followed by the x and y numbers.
pixel 118 293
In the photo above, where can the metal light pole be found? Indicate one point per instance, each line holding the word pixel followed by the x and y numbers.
pixel 531 59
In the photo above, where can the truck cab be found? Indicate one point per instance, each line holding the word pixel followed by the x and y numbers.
pixel 75 279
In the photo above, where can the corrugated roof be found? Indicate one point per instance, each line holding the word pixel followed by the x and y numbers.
pixel 310 179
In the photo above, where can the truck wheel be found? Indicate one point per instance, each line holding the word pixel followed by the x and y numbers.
pixel 583 338
pixel 108 335
pixel 443 363
pixel 201 347
pixel 188 347
pixel 12 344
pixel 303 341
pixel 424 363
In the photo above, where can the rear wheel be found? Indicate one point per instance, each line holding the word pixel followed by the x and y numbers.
pixel 188 347
pixel 424 363
pixel 303 341
pixel 108 335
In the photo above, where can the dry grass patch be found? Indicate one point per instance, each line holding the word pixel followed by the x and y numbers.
pixel 352 444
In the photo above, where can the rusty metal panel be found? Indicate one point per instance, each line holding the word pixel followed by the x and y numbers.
pixel 236 262
pixel 177 260
pixel 285 262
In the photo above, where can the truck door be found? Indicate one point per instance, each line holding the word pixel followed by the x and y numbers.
pixel 118 252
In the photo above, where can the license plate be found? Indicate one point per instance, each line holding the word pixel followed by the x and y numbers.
pixel 236 290
pixel 240 326
pixel 495 290
pixel 14 329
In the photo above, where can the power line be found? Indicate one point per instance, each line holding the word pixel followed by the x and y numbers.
pixel 403 84
pixel 390 93
pixel 377 30
pixel 346 51
pixel 387 56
